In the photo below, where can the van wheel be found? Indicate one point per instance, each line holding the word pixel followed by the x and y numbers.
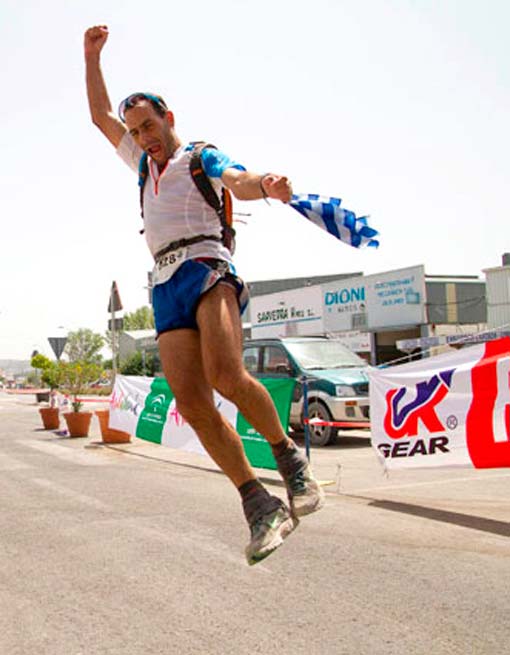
pixel 320 435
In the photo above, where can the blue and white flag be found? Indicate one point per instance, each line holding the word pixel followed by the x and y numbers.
pixel 343 224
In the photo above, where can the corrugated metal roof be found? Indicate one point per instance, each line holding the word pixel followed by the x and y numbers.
pixel 263 287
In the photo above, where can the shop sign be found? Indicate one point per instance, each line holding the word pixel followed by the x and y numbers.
pixel 297 312
pixel 396 298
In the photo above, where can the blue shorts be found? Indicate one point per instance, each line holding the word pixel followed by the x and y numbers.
pixel 175 301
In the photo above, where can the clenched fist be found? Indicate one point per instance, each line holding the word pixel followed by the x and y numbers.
pixel 278 187
pixel 95 38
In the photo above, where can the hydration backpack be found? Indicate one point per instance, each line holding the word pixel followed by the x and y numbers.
pixel 222 206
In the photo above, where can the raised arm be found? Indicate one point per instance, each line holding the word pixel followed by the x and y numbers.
pixel 99 103
pixel 251 186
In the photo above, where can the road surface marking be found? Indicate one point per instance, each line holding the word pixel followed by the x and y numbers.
pixel 68 454
pixel 70 493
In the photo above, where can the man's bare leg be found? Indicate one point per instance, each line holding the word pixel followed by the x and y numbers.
pixel 221 343
pixel 182 364
pixel 269 519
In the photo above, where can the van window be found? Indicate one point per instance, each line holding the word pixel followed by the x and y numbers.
pixel 251 359
pixel 323 354
pixel 275 360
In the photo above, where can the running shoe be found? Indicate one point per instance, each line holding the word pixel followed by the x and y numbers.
pixel 305 494
pixel 268 532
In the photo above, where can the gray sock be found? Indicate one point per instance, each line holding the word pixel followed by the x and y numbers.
pixel 257 501
pixel 291 460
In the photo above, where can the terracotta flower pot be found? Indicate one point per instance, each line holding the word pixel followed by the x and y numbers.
pixel 50 417
pixel 110 435
pixel 78 423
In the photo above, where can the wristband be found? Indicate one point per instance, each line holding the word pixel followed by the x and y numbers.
pixel 264 194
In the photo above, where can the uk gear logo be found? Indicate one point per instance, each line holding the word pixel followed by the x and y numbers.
pixel 406 407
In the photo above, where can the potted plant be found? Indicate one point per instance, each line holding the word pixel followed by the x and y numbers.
pixel 76 376
pixel 108 434
pixel 51 375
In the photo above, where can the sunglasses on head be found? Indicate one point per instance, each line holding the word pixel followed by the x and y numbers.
pixel 133 99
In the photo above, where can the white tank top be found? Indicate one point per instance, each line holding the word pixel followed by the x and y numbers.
pixel 173 206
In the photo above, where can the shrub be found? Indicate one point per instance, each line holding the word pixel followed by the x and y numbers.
pixel 76 376
pixel 134 365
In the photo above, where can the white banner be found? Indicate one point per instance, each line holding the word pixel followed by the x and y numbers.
pixel 146 407
pixel 162 422
pixel 449 410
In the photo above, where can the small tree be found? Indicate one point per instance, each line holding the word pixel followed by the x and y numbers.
pixel 51 372
pixel 84 345
pixel 39 361
pixel 76 376
pixel 135 365
pixel 52 375
pixel 141 319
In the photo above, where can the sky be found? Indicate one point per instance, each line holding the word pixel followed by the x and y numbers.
pixel 399 107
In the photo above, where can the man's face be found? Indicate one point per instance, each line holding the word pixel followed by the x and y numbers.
pixel 152 132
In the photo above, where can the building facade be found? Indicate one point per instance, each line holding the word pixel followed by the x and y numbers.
pixel 498 294
pixel 372 313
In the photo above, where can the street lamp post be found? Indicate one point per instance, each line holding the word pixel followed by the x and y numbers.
pixel 114 305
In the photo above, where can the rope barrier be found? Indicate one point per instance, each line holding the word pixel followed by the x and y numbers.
pixel 337 424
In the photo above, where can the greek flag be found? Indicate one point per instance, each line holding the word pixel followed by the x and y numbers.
pixel 326 213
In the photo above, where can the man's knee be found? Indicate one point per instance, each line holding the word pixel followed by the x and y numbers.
pixel 196 413
pixel 231 385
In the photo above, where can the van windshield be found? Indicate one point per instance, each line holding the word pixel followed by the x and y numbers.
pixel 323 355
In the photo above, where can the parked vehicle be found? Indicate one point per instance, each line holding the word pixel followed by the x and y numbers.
pixel 337 379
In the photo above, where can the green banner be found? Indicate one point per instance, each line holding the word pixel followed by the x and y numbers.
pixel 257 449
pixel 160 422
pixel 154 414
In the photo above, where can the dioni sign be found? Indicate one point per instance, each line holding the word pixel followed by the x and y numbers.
pixel 452 410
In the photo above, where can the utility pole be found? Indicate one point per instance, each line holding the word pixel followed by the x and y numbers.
pixel 114 305
pixel 114 349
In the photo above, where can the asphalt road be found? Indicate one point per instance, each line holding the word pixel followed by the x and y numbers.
pixel 138 549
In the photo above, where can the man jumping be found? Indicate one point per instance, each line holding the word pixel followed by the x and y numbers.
pixel 198 299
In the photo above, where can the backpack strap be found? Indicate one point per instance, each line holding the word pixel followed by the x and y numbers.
pixel 223 206
pixel 143 173
pixel 199 176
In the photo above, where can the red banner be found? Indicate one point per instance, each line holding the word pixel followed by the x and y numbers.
pixel 449 410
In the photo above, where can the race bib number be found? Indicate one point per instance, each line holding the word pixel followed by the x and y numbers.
pixel 166 265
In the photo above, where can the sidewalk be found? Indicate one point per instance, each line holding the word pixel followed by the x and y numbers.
pixel 351 472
